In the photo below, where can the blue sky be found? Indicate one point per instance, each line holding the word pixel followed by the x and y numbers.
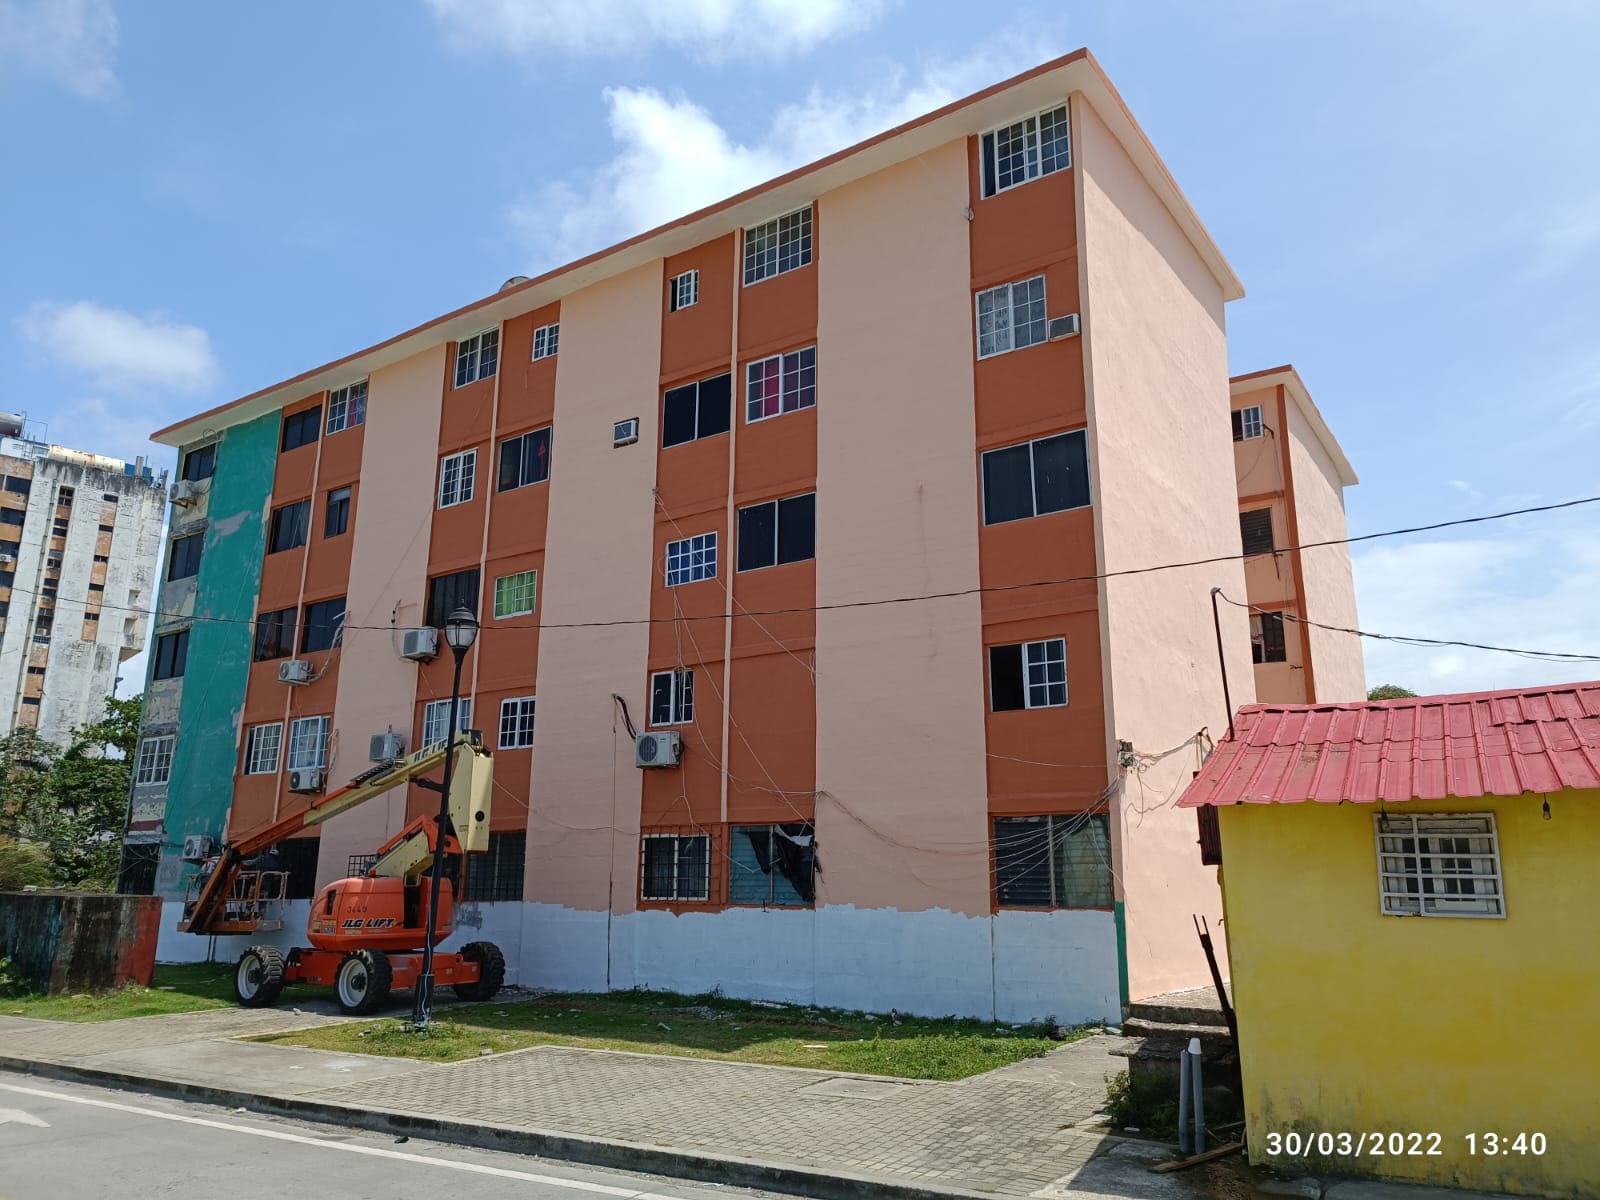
pixel 201 200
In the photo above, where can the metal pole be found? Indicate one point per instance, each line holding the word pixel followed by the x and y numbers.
pixel 422 1006
pixel 1222 663
pixel 1198 1103
pixel 1184 1068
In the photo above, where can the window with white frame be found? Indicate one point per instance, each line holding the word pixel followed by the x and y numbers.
pixel 1439 865
pixel 516 723
pixel 781 244
pixel 675 867
pixel 1011 317
pixel 544 341
pixel 692 559
pixel 516 595
pixel 1037 145
pixel 1028 675
pixel 683 291
pixel 308 743
pixel 672 697
pixel 347 407
pixel 477 357
pixel 457 477
pixel 155 760
pixel 263 745
pixel 1247 423
pixel 784 383
pixel 436 719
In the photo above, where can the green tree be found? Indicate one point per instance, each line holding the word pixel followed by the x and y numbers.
pixel 23 864
pixel 1390 691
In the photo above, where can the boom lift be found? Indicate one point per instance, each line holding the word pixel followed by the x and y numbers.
pixel 366 932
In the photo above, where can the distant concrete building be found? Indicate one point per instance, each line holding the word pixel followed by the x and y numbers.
pixel 80 536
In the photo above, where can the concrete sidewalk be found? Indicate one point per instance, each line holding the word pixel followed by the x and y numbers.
pixel 1025 1130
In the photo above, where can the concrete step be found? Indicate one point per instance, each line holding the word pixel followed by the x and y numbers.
pixel 1194 1008
pixel 1210 1034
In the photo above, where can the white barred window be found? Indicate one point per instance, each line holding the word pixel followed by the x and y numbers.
pixel 782 244
pixel 692 559
pixel 262 748
pixel 457 478
pixel 1011 316
pixel 347 407
pixel 1439 865
pixel 155 760
pixel 308 743
pixel 516 723
pixel 685 291
pixel 436 719
pixel 545 339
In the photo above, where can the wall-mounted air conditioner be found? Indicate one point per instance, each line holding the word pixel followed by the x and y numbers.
pixel 305 779
pixel 9 560
pixel 198 847
pixel 183 492
pixel 419 645
pixel 386 747
pixel 1064 327
pixel 657 750
pixel 294 671
pixel 625 433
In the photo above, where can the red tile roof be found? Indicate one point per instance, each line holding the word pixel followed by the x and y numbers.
pixel 1424 748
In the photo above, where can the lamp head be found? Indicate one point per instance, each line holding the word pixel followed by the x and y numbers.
pixel 461 629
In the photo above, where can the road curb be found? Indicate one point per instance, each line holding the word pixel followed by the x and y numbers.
pixel 566 1147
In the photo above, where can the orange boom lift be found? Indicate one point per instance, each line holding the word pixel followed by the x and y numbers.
pixel 366 932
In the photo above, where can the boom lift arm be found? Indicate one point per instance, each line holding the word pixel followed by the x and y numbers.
pixel 407 855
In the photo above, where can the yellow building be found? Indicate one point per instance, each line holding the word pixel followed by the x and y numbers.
pixel 1412 905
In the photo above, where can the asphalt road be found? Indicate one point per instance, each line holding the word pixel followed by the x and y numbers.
pixel 71 1140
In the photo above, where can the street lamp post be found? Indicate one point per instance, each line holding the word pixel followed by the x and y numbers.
pixel 460 631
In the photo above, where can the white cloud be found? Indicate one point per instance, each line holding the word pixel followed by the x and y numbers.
pixel 121 351
pixel 673 156
pixel 1532 589
pixel 73 42
pixel 712 29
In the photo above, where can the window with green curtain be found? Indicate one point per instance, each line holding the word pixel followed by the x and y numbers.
pixel 517 594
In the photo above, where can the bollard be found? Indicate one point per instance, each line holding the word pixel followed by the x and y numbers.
pixel 1199 1104
pixel 1185 1084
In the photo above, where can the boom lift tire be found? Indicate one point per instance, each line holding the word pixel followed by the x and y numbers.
pixel 491 971
pixel 363 981
pixel 259 977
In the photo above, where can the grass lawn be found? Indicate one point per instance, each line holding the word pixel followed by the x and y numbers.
pixel 700 1027
pixel 176 988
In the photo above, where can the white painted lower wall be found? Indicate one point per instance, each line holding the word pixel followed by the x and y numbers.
pixel 1011 967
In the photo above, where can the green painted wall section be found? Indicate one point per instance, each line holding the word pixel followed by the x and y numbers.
pixel 1122 950
pixel 201 789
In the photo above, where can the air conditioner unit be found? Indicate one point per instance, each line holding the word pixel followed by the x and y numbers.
pixel 294 671
pixel 419 645
pixel 625 433
pixel 305 779
pixel 183 492
pixel 1064 327
pixel 657 750
pixel 9 560
pixel 386 747
pixel 198 847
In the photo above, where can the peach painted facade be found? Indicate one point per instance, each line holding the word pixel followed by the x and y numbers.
pixel 922 729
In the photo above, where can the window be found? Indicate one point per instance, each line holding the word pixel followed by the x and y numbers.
pixel 12 516
pixel 262 745
pixel 200 463
pixel 457 474
pixel 1266 638
pixel 516 595
pixel 1011 317
pixel 782 244
pixel 172 655
pixel 497 873
pixel 290 527
pixel 676 868
pixel 1247 423
pixel 275 634
pixel 696 410
pixel 545 340
pixel 23 486
pixel 672 698
pixel 108 497
pixel 1029 675
pixel 323 624
pixel 1034 146
pixel 336 520
pixel 772 865
pixel 436 719
pixel 155 761
pixel 137 875
pixel 1053 862
pixel 1042 476
pixel 450 592
pixel 524 460
pixel 1255 531
pixel 107 527
pixel 308 743
pixel 692 559
pixel 783 531
pixel 185 560
pixel 784 383
pixel 347 407
pixel 1439 865
pixel 301 428
pixel 683 291
pixel 96 588
pixel 477 357
pixel 516 723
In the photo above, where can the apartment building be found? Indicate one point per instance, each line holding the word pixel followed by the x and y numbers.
pixel 850 482
pixel 79 537
pixel 1292 475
